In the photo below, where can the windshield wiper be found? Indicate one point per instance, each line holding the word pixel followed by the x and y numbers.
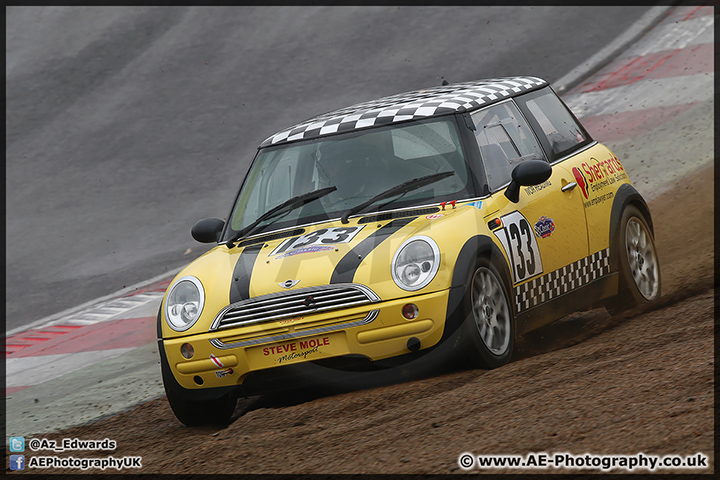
pixel 282 209
pixel 403 188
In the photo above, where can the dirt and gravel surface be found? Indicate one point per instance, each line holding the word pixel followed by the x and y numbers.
pixel 589 383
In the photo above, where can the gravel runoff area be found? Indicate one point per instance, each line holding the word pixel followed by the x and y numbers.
pixel 589 383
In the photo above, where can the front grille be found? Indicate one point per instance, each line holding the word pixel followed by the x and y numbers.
pixel 281 334
pixel 301 302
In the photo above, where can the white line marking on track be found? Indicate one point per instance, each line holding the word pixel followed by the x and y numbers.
pixel 592 64
pixel 677 35
pixel 642 95
pixel 28 371
pixel 75 313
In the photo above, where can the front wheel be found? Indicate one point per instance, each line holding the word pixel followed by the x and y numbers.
pixel 487 333
pixel 639 269
pixel 199 412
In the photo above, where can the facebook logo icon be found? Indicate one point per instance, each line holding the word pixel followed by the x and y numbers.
pixel 17 462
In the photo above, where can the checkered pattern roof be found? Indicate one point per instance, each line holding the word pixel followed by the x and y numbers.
pixel 458 97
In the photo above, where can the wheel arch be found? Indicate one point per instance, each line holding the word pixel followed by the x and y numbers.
pixel 159 322
pixel 475 248
pixel 626 195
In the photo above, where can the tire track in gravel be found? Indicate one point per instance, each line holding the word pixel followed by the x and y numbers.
pixel 641 381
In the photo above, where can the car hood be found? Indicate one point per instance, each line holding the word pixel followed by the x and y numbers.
pixel 359 252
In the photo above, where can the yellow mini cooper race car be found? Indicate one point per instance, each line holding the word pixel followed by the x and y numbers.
pixel 461 215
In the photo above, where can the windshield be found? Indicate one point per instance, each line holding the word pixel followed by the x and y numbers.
pixel 360 166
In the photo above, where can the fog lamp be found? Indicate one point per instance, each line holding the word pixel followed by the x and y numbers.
pixel 187 351
pixel 410 311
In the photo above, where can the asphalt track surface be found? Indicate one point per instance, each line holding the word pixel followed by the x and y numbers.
pixel 125 125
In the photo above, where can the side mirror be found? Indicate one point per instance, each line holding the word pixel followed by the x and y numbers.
pixel 207 230
pixel 530 172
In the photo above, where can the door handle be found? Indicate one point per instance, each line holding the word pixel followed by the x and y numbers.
pixel 569 186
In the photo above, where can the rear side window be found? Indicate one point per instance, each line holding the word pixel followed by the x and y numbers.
pixel 551 117
pixel 504 139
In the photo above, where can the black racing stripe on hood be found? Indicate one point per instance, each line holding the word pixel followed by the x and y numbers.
pixel 240 283
pixel 347 266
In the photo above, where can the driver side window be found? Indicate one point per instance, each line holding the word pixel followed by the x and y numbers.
pixel 505 140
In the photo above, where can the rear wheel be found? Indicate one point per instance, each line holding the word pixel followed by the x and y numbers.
pixel 487 333
pixel 639 269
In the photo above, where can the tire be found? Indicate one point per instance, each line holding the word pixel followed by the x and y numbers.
pixel 487 332
pixel 195 413
pixel 638 266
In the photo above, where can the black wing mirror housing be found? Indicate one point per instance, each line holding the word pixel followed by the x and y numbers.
pixel 530 172
pixel 207 230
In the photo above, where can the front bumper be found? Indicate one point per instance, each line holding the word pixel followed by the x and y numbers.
pixel 374 331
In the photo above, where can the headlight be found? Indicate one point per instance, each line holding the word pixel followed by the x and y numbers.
pixel 415 263
pixel 184 303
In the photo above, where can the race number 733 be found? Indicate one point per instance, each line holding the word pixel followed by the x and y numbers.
pixel 324 236
pixel 521 246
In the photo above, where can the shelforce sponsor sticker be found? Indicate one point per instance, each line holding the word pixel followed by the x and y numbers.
pixel 592 177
